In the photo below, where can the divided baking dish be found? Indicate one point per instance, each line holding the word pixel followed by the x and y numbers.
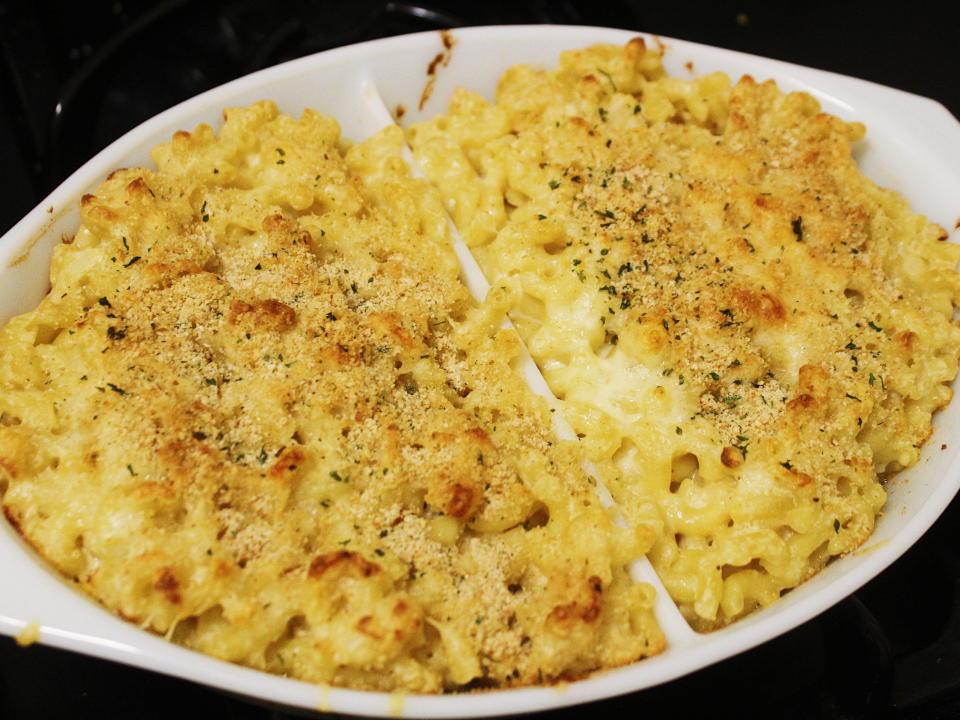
pixel 912 146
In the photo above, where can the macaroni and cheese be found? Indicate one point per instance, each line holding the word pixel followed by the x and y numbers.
pixel 747 333
pixel 259 414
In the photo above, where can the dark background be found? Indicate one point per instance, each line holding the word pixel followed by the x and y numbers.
pixel 73 77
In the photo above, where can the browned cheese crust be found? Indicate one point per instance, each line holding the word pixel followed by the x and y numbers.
pixel 259 413
pixel 748 333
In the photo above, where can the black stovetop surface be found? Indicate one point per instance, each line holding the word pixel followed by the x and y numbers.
pixel 74 76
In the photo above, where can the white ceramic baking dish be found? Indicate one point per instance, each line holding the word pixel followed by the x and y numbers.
pixel 912 146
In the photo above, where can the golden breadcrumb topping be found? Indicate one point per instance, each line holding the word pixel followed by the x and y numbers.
pixel 259 413
pixel 749 335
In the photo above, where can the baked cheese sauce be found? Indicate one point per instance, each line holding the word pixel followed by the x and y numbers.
pixel 259 414
pixel 748 334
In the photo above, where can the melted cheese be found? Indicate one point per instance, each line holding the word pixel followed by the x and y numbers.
pixel 259 414
pixel 748 334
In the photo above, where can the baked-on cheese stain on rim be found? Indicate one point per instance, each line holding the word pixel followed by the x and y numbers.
pixel 440 60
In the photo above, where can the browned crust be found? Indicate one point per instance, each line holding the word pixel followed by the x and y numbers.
pixel 346 559
pixel 168 584
pixel 267 314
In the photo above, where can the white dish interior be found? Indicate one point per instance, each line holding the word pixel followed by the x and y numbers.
pixel 913 147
